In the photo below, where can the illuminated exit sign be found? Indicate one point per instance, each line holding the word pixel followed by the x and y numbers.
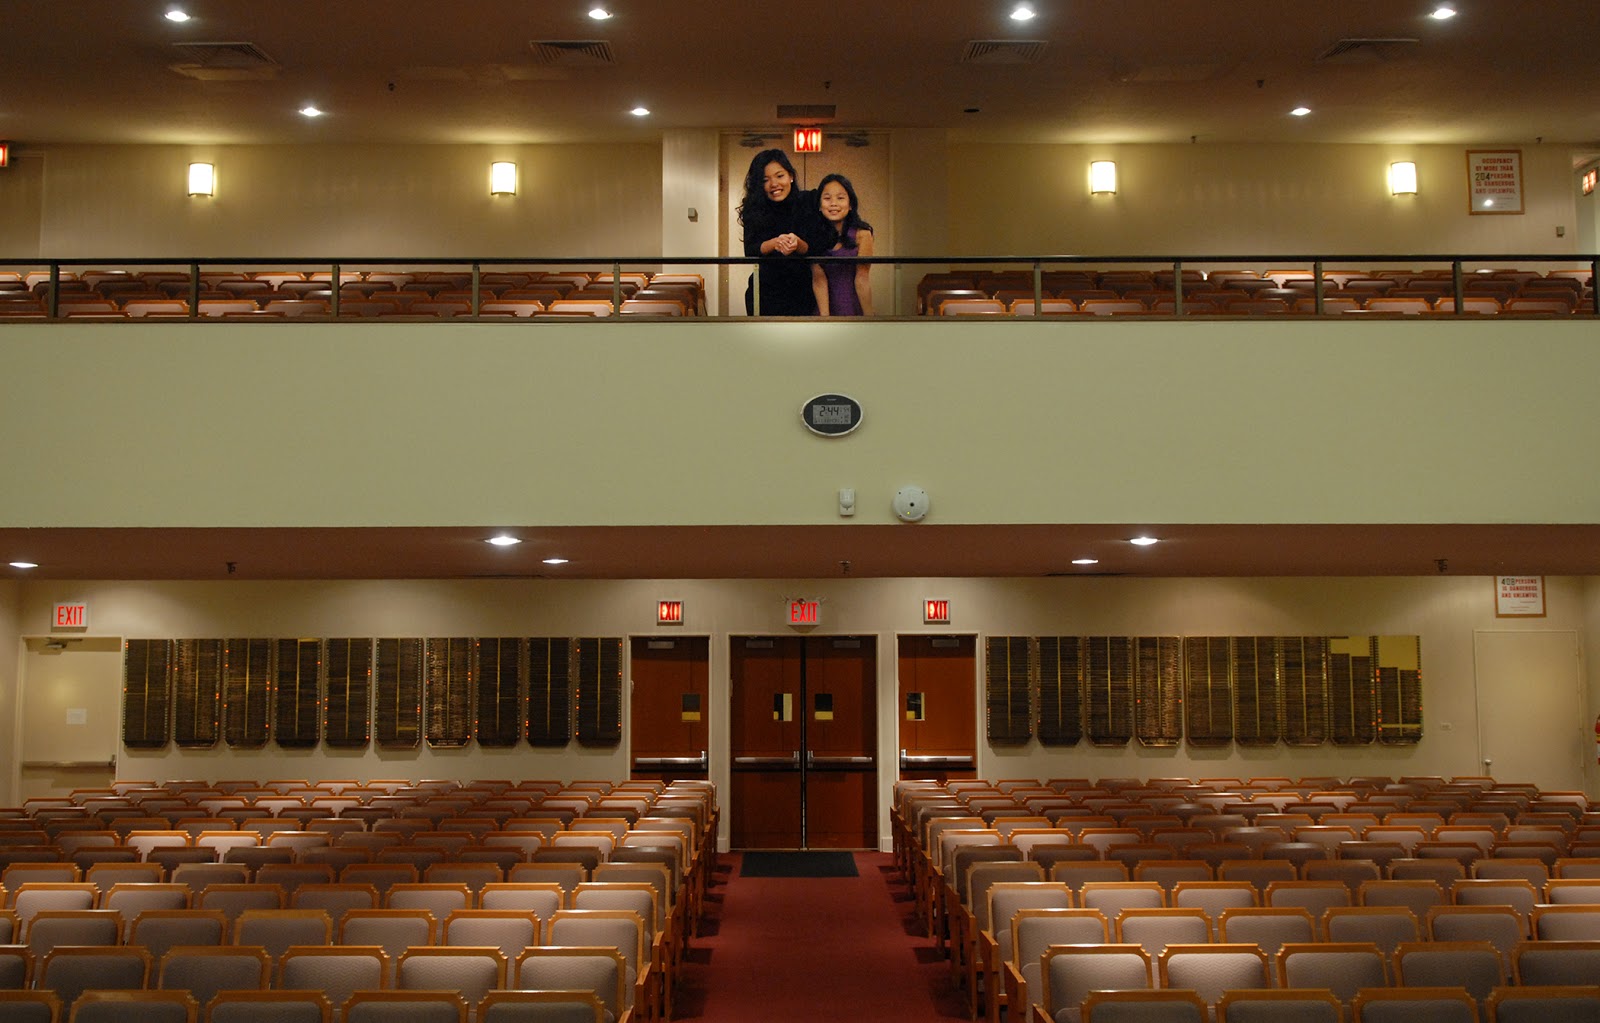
pixel 70 616
pixel 936 612
pixel 808 140
pixel 669 612
pixel 805 612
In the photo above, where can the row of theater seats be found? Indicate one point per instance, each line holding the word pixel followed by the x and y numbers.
pixel 476 888
pixel 370 295
pixel 1275 292
pixel 1004 872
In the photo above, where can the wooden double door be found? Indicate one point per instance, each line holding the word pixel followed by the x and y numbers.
pixel 803 721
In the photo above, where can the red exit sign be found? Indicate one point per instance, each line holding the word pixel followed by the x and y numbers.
pixel 669 612
pixel 805 612
pixel 71 616
pixel 808 140
pixel 936 612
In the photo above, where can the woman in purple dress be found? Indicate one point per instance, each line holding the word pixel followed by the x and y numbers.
pixel 843 289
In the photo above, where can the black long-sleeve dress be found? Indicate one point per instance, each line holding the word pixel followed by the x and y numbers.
pixel 785 280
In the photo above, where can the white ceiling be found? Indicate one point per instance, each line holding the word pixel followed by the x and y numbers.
pixel 422 71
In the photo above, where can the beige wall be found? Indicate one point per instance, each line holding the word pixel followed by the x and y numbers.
pixel 610 199
pixel 1230 200
pixel 301 201
pixel 1442 611
pixel 139 424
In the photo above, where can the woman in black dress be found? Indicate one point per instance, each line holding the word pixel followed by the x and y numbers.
pixel 779 221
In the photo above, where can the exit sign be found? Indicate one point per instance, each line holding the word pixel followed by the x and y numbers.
pixel 808 140
pixel 936 612
pixel 669 612
pixel 71 616
pixel 805 612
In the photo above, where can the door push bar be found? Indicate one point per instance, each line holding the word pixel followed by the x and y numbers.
pixel 702 762
pixel 812 760
pixel 792 760
pixel 908 760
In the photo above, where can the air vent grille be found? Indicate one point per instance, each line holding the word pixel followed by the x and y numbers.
pixel 1003 51
pixel 1366 51
pixel 572 52
pixel 232 61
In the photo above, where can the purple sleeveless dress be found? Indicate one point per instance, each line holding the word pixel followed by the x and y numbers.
pixel 842 299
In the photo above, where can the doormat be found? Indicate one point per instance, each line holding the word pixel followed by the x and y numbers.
pixel 797 864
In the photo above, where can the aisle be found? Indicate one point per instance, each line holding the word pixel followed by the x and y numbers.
pixel 800 950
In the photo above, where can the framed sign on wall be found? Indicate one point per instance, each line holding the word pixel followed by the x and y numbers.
pixel 1494 181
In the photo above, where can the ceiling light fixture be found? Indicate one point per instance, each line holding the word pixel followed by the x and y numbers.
pixel 503 540
pixel 1299 111
pixel 640 111
pixel 1023 12
pixel 177 16
pixel 1086 561
pixel 24 564
pixel 599 13
pixel 1444 12
pixel 555 561
pixel 310 110
pixel 1143 541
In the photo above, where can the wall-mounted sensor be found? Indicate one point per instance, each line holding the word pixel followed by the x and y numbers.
pixel 694 215
pixel 847 501
pixel 910 504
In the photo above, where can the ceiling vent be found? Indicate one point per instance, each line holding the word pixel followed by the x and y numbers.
pixel 806 113
pixel 1003 51
pixel 224 62
pixel 573 52
pixel 1367 51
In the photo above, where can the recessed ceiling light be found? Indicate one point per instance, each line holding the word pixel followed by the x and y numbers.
pixel 178 16
pixel 24 564
pixel 640 111
pixel 555 561
pixel 1022 12
pixel 1444 12
pixel 1143 541
pixel 503 540
pixel 599 13
pixel 1300 111
pixel 1086 561
pixel 309 110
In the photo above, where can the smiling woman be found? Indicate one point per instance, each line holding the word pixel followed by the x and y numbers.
pixel 779 224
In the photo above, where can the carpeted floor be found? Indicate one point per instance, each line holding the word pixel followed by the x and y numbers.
pixel 799 950
pixel 811 863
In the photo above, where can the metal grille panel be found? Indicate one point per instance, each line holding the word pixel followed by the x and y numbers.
pixel 1006 693
pixel 502 665
pixel 399 693
pixel 1158 690
pixel 549 692
pixel 146 693
pixel 1108 681
pixel 1060 690
pixel 449 692
pixel 348 723
pixel 197 693
pixel 297 722
pixel 599 690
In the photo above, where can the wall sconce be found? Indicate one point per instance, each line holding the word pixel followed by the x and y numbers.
pixel 1403 178
pixel 503 178
pixel 1103 178
pixel 202 179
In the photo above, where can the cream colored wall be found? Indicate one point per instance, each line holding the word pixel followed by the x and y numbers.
pixel 1231 200
pixel 1442 611
pixel 21 205
pixel 128 424
pixel 304 201
pixel 11 660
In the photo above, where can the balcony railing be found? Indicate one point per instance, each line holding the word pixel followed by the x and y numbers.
pixel 357 289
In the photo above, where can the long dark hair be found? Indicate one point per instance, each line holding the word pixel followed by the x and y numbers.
pixel 755 201
pixel 846 232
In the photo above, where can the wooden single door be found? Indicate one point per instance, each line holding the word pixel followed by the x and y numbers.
pixel 803 720
pixel 938 707
pixel 669 710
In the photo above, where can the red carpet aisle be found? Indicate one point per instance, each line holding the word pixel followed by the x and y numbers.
pixel 807 950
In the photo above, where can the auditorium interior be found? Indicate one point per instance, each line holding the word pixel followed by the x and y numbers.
pixel 1417 492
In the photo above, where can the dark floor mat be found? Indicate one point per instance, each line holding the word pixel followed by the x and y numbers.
pixel 798 864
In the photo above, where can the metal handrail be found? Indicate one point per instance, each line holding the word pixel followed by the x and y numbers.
pixel 1037 263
